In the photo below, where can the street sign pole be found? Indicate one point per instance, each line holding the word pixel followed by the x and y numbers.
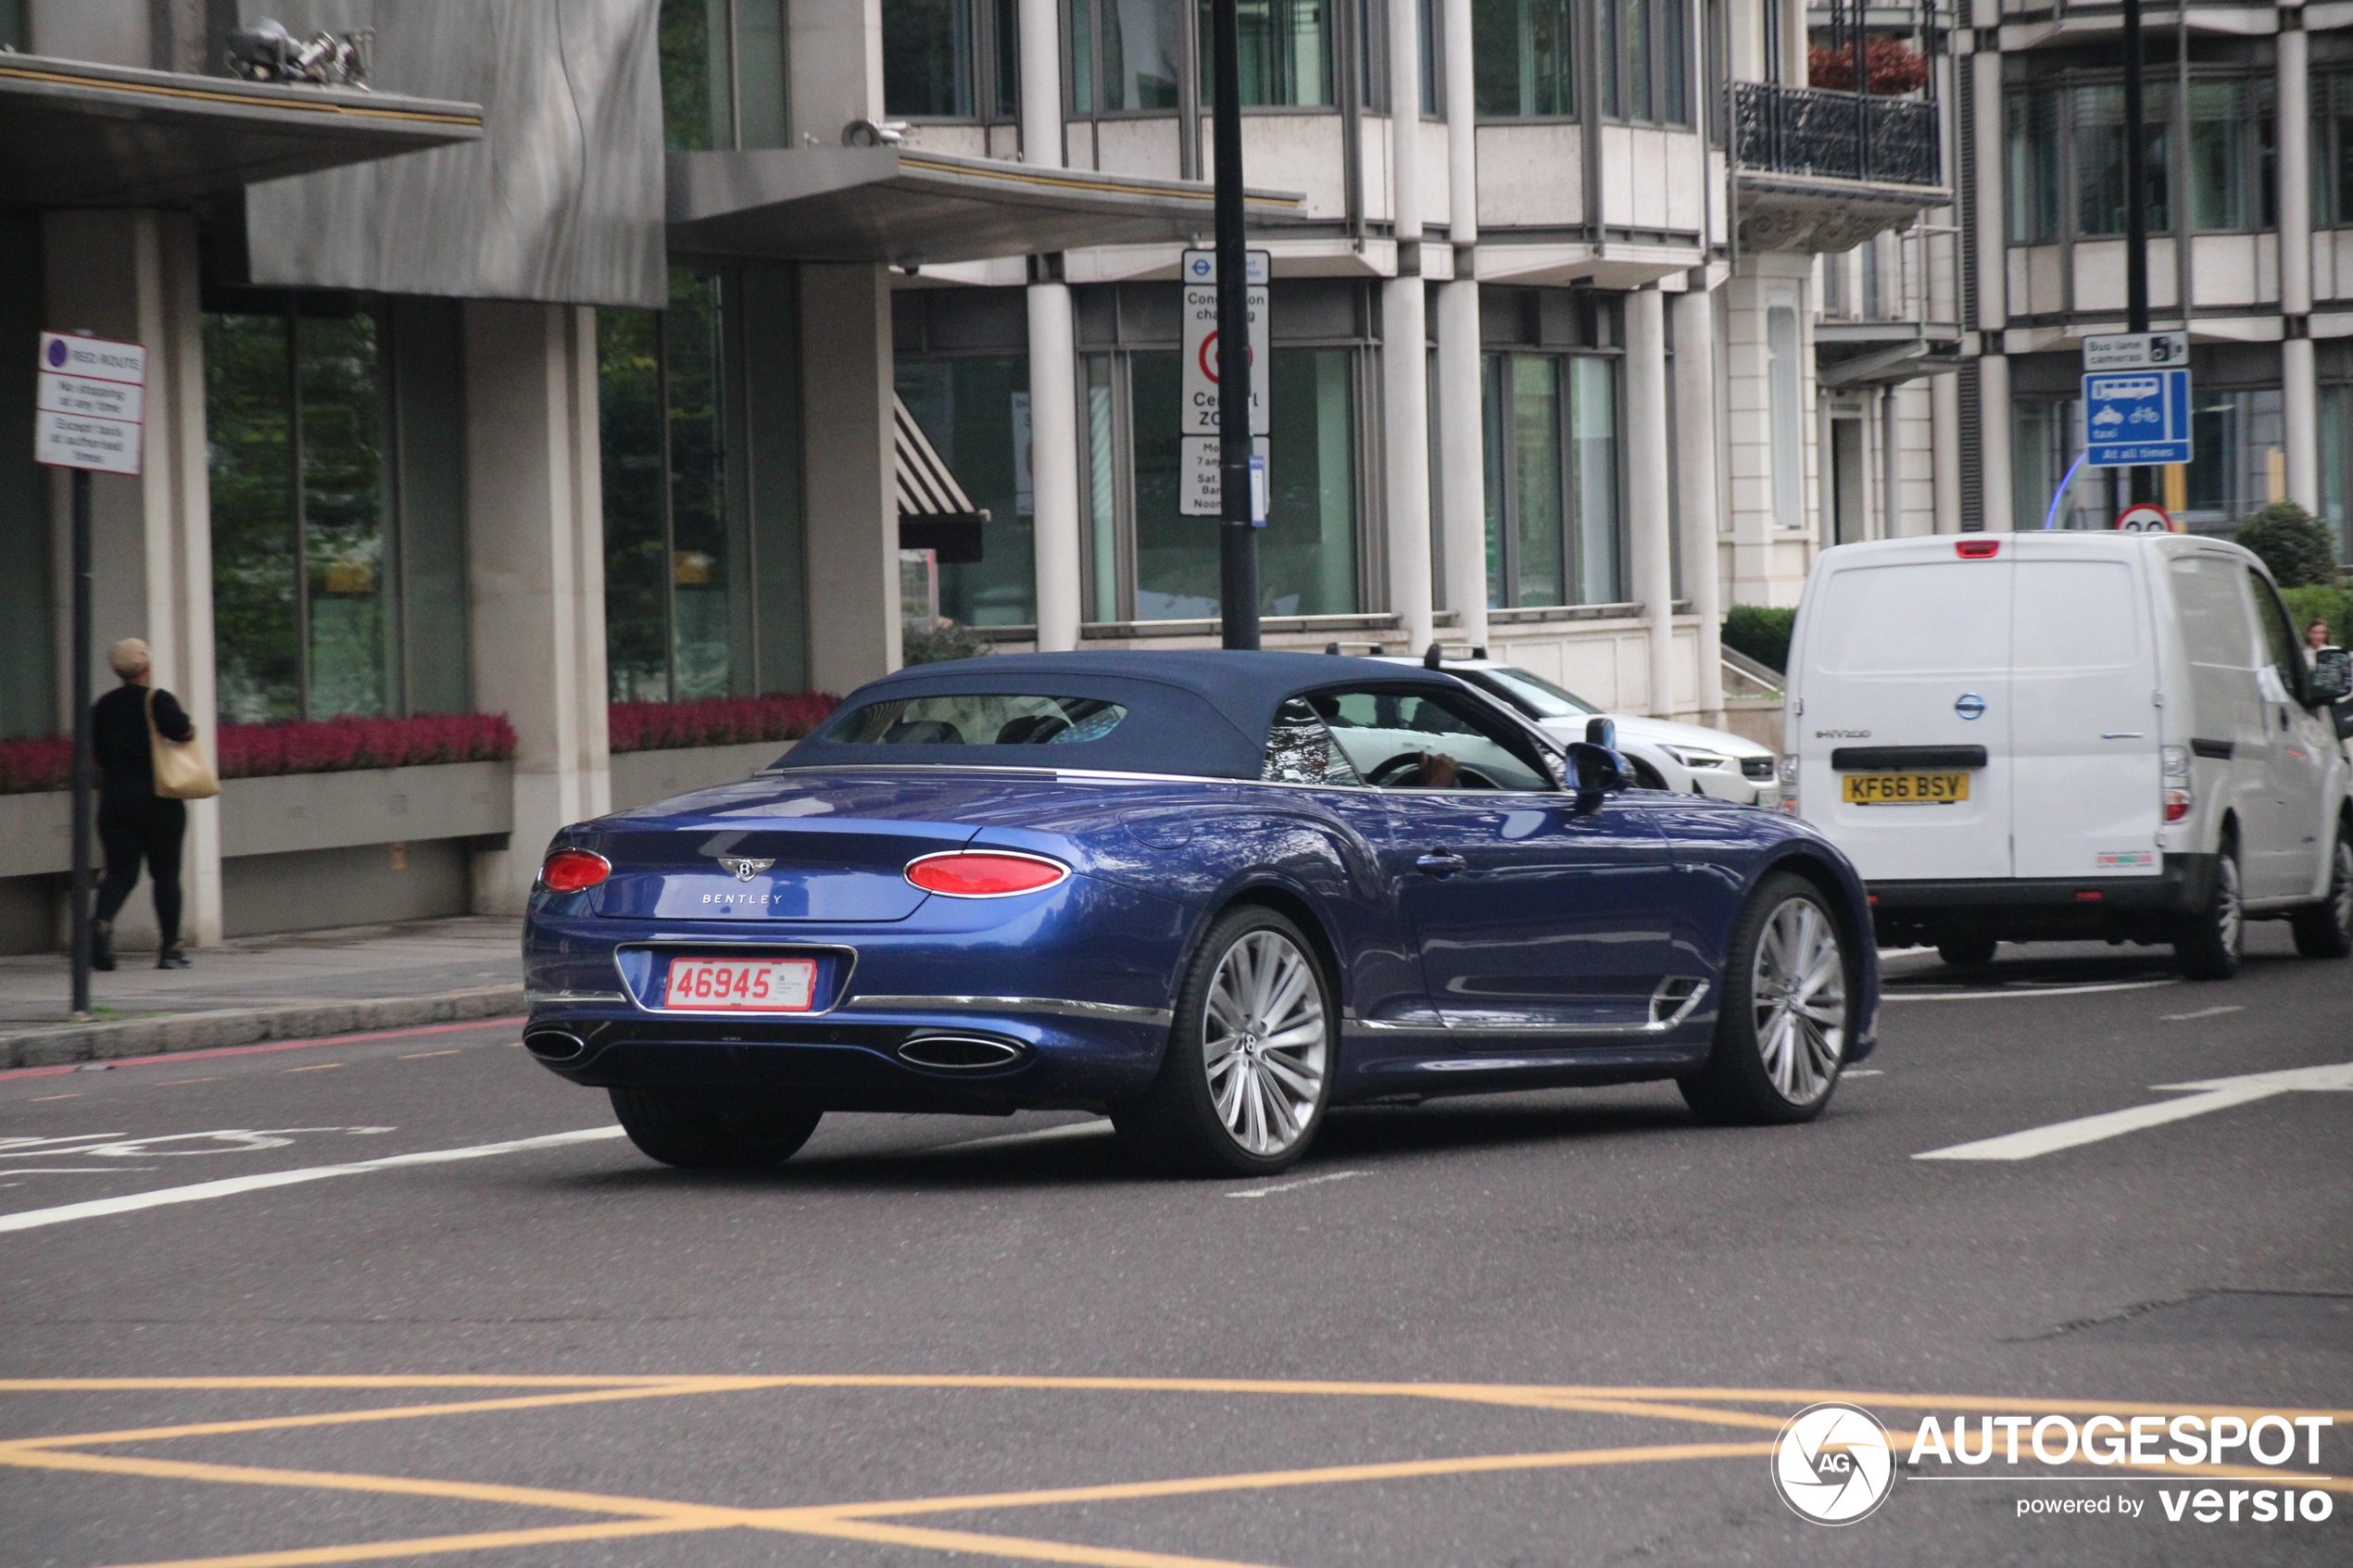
pixel 83 743
pixel 1237 539
pixel 2136 212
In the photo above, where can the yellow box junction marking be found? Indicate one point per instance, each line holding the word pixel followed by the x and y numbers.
pixel 874 1522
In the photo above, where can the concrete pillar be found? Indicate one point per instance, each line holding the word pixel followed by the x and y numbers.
pixel 1695 443
pixel 1648 519
pixel 535 570
pixel 848 474
pixel 1053 397
pixel 113 32
pixel 834 59
pixel 1404 346
pixel 2298 394
pixel 1998 487
pixel 1992 308
pixel 1944 450
pixel 1462 444
pixel 132 276
pixel 1053 465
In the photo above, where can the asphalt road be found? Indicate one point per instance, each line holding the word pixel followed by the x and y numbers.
pixel 1545 1329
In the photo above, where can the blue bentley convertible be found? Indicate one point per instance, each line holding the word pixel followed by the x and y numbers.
pixel 1210 893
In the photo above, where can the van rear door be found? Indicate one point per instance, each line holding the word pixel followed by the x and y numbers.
pixel 2084 724
pixel 1906 669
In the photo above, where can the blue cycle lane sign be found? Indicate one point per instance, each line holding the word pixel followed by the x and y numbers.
pixel 2136 399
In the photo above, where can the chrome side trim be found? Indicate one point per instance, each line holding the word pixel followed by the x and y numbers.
pixel 1061 1006
pixel 537 998
pixel 1670 994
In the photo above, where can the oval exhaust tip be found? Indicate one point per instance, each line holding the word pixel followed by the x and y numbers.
pixel 959 1053
pixel 554 1045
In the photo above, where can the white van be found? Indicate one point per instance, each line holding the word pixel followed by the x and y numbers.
pixel 2045 736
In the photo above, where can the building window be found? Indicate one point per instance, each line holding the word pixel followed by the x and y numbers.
pixel 2237 462
pixel 1523 59
pixel 674 544
pixel 1553 481
pixel 313 425
pixel 1783 379
pixel 2067 148
pixel 2046 436
pixel 951 60
pixel 2336 466
pixel 2333 149
pixel 1126 56
pixel 1286 53
pixel 974 408
pixel 1646 60
pixel 723 74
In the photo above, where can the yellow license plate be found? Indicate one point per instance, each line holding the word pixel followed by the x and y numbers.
pixel 1904 789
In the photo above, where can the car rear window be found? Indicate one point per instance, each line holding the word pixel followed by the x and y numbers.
pixel 1905 619
pixel 976 718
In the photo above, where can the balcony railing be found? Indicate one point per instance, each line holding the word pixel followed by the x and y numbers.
pixel 1835 135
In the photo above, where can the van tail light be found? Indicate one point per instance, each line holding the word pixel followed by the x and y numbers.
pixel 1977 549
pixel 573 871
pixel 2177 804
pixel 2175 760
pixel 985 874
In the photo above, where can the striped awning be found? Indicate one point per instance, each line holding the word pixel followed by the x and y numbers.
pixel 933 511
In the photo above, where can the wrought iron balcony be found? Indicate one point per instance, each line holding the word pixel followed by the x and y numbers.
pixel 1824 135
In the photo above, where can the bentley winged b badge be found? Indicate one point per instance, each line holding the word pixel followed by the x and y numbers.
pixel 745 870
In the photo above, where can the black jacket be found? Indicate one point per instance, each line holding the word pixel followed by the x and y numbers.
pixel 118 727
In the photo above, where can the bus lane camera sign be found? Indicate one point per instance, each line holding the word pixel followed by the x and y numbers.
pixel 2136 399
pixel 90 406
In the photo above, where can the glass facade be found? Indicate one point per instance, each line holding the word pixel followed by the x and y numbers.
pixel 951 60
pixel 1126 56
pixel 2065 149
pixel 1523 59
pixel 2336 466
pixel 975 410
pixel 1553 481
pixel 332 469
pixel 28 692
pixel 723 74
pixel 2332 147
pixel 1285 53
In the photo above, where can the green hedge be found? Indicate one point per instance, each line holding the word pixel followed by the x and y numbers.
pixel 1761 633
pixel 2332 605
pixel 2294 544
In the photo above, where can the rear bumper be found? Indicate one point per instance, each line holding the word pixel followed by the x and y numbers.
pixel 2027 907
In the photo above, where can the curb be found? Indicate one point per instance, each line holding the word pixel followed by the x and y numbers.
pixel 66 1044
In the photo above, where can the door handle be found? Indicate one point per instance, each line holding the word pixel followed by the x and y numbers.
pixel 1441 861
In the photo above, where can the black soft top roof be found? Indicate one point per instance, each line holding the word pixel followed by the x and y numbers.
pixel 1198 711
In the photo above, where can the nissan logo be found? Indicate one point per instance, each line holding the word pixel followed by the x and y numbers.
pixel 1969 706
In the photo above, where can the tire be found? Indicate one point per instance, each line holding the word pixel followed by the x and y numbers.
pixel 2208 944
pixel 1239 1094
pixel 1788 1012
pixel 709 1129
pixel 2325 930
pixel 1967 952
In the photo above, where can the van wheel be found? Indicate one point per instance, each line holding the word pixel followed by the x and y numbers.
pixel 707 1129
pixel 2325 930
pixel 1967 952
pixel 2208 944
pixel 1788 1015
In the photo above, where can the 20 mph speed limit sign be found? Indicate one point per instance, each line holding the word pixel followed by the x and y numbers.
pixel 2144 517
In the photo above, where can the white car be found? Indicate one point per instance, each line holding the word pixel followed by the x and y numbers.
pixel 1689 759
pixel 2059 736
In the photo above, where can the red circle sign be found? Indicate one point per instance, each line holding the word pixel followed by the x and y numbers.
pixel 1209 358
pixel 2145 517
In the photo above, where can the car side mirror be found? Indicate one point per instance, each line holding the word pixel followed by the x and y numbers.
pixel 1601 732
pixel 2331 674
pixel 1593 771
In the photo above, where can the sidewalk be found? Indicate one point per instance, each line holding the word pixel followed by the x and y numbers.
pixel 265 988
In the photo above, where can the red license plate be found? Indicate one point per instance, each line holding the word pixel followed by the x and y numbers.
pixel 751 985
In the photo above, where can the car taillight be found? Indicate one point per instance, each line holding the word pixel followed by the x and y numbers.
pixel 573 871
pixel 984 873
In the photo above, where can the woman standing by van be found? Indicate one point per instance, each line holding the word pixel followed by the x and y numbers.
pixel 135 823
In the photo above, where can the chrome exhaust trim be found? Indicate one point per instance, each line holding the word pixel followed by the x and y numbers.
pixel 554 1045
pixel 960 1053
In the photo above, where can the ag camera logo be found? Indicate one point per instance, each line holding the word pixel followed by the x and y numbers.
pixel 1832 1465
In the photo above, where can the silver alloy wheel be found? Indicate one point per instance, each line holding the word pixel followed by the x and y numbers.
pixel 2230 917
pixel 1263 1042
pixel 1798 986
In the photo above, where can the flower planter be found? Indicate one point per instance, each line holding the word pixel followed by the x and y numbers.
pixel 292 812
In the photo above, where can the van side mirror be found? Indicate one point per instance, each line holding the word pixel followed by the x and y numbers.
pixel 2331 674
pixel 1593 771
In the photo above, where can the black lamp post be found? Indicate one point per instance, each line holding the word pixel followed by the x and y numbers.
pixel 1237 538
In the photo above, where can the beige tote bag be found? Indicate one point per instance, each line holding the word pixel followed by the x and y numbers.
pixel 182 772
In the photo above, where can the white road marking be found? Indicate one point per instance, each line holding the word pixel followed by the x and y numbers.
pixel 2202 1013
pixel 1303 1181
pixel 1010 1140
pixel 2211 1093
pixel 2050 991
pixel 1864 1072
pixel 230 1185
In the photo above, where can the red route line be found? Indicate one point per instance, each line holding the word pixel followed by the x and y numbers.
pixel 161 1057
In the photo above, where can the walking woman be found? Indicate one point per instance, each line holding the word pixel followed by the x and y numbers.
pixel 135 823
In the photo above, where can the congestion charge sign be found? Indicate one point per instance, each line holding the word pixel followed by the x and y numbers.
pixel 2136 399
pixel 90 405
